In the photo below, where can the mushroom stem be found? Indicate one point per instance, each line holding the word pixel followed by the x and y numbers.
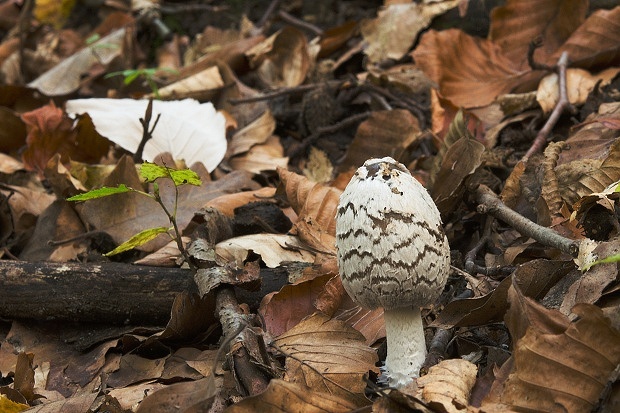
pixel 406 346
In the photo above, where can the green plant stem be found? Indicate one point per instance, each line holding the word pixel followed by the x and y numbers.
pixel 173 221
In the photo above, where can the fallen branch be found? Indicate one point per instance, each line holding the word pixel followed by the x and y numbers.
pixel 111 293
pixel 108 293
pixel 491 204
pixel 562 105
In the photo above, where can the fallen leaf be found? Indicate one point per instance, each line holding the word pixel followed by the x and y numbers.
pixel 393 31
pixel 187 129
pixel 272 248
pixel 50 131
pixel 535 278
pixel 284 309
pixel 545 379
pixel 579 84
pixel 448 385
pixel 315 204
pixel 384 133
pixel 255 133
pixel 328 356
pixel 66 77
pixel 283 60
pixel 472 79
pixel 201 86
pixel 285 397
pixel 180 396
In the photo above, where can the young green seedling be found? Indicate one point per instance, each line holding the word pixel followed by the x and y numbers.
pixel 150 173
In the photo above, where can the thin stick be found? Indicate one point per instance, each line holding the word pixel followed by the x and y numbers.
pixel 563 103
pixel 350 121
pixel 294 21
pixel 280 93
pixel 489 203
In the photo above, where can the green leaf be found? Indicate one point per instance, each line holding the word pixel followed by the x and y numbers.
pixel 608 260
pixel 185 176
pixel 100 193
pixel 150 172
pixel 140 238
pixel 130 77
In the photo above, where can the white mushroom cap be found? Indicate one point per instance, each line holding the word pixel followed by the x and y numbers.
pixel 392 249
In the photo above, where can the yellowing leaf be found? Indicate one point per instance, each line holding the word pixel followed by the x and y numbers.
pixel 9 406
pixel 150 172
pixel 138 239
pixel 53 12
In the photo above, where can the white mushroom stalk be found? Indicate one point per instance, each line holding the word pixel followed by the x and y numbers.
pixel 392 253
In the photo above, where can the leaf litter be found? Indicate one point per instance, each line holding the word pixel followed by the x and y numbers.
pixel 511 124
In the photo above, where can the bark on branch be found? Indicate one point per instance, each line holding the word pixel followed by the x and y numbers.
pixel 108 293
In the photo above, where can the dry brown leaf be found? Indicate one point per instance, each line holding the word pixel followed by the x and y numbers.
pixel 261 157
pixel 50 131
pixel 66 77
pixel 579 84
pixel 285 397
pixel 535 278
pixel 499 64
pixel 392 33
pixel 471 79
pixel 384 133
pixel 590 286
pixel 316 204
pixel 585 176
pixel 180 396
pixel 545 379
pixel 283 60
pixel 255 133
pixel 596 43
pixel 515 25
pixel 328 356
pixel 284 309
pixel 13 131
pixel 334 38
pixel 273 249
pixel 448 385
pixel 460 161
pixel 201 86
pixel 226 204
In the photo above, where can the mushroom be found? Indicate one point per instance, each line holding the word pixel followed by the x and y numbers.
pixel 392 253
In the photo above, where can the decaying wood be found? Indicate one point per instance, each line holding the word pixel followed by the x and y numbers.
pixel 107 293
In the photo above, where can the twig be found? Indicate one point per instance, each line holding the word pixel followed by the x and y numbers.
pixel 489 203
pixel 438 349
pixel 267 15
pixel 23 24
pixel 350 121
pixel 402 102
pixel 535 44
pixel 281 92
pixel 247 371
pixel 294 21
pixel 470 258
pixel 562 104
pixel 146 133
